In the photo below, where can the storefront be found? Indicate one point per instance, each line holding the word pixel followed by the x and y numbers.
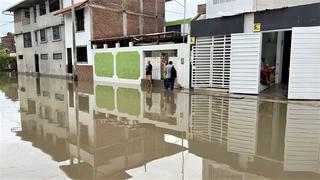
pixel 283 51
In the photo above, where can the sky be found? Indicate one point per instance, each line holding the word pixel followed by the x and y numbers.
pixel 174 11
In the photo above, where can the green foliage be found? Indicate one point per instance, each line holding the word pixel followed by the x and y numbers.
pixel 7 62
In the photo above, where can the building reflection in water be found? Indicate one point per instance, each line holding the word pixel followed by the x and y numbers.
pixel 108 131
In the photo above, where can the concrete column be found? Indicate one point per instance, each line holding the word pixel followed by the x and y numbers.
pixel 130 44
pixel 94 46
pixel 117 45
pixel 141 18
pixel 248 23
pixel 105 46
pixel 279 57
pixel 124 18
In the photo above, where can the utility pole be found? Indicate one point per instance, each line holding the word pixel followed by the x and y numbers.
pixel 184 18
pixel 75 60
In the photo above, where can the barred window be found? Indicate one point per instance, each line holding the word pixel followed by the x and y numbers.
pixel 44 56
pixel 56 33
pixel 43 35
pixel 27 42
pixel 57 56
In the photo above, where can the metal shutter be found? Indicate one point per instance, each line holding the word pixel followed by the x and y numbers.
pixel 304 78
pixel 211 62
pixel 245 63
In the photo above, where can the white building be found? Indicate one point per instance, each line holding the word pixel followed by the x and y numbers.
pixel 39 37
pixel 238 34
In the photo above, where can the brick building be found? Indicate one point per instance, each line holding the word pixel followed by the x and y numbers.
pixel 8 44
pixel 100 19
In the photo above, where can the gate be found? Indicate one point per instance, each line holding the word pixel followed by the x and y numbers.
pixel 211 62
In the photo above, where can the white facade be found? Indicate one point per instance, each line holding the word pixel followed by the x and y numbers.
pixel 220 8
pixel 83 38
pixel 26 55
pixel 181 62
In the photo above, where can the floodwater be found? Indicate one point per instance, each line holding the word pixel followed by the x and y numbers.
pixel 53 129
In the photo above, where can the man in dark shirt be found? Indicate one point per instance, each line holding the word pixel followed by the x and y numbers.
pixel 149 74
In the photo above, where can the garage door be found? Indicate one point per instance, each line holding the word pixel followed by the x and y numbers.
pixel 211 62
pixel 304 78
pixel 245 63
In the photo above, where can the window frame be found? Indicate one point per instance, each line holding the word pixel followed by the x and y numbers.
pixel 46 36
pixel 59 30
pixel 24 40
pixel 41 10
pixel 57 54
pixel 86 55
pixel 80 23
pixel 51 7
pixel 43 55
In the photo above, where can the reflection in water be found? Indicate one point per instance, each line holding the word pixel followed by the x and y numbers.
pixel 100 131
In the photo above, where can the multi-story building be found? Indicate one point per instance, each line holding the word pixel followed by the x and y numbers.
pixel 240 38
pixel 39 37
pixel 102 20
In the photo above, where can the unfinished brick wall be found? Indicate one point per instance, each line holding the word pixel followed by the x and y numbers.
pixel 108 18
pixel 17 16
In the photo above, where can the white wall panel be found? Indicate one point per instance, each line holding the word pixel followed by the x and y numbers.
pixel 304 78
pixel 245 63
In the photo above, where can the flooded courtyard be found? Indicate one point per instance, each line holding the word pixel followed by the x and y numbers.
pixel 54 129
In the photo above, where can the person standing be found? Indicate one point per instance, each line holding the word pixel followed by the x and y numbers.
pixel 171 75
pixel 149 74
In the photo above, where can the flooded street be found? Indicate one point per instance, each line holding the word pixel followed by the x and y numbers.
pixel 54 129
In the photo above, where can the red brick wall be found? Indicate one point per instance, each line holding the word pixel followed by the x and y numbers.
pixel 7 42
pixel 133 24
pixel 84 72
pixel 108 23
pixel 17 16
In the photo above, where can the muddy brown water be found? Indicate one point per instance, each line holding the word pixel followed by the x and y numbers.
pixel 54 129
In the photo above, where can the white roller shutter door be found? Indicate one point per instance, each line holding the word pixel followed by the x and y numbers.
pixel 304 78
pixel 245 63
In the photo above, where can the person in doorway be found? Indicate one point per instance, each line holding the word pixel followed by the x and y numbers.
pixel 171 75
pixel 149 74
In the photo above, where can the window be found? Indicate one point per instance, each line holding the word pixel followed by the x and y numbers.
pixel 34 14
pixel 27 40
pixel 44 56
pixel 43 35
pixel 80 20
pixel 57 56
pixel 20 57
pixel 31 107
pixel 54 5
pixel 56 33
pixel 46 94
pixel 59 97
pixel 84 103
pixel 82 54
pixel 26 17
pixel 36 36
pixel 27 13
pixel 42 7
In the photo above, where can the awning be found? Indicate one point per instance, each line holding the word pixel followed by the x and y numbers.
pixel 67 9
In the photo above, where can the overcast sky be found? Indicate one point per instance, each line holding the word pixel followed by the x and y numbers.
pixel 174 11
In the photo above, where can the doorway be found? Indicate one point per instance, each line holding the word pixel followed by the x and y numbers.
pixel 36 59
pixel 69 56
pixel 275 62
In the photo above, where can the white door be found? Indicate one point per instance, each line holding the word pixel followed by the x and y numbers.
pixel 245 63
pixel 304 78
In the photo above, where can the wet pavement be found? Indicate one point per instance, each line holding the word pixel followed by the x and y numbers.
pixel 54 129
